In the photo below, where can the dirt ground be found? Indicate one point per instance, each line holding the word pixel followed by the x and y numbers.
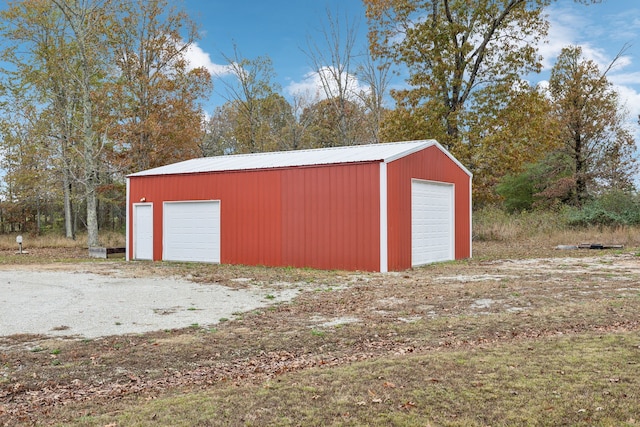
pixel 86 304
pixel 358 315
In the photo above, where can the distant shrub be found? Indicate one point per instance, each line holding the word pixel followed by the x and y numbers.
pixel 612 209
pixel 517 192
pixel 547 184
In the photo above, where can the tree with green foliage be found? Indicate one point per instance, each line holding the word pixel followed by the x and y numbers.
pixel 545 184
pixel 615 208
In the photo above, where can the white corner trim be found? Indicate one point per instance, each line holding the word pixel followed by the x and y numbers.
pixel 384 249
pixel 470 217
pixel 127 217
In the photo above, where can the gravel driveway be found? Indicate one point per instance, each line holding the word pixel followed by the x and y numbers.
pixel 65 303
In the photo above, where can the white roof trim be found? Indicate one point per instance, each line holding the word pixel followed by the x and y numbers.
pixel 385 152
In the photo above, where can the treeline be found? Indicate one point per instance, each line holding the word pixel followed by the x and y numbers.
pixel 94 90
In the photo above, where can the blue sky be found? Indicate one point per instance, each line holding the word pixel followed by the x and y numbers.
pixel 280 29
pixel 602 30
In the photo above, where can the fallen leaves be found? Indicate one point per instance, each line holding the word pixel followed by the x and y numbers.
pixel 407 405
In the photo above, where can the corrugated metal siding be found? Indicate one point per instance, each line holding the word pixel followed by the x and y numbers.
pixel 429 164
pixel 322 217
pixel 327 219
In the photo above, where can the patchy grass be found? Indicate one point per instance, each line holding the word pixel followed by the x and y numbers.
pixel 8 241
pixel 51 248
pixel 520 335
pixel 586 379
pixel 530 233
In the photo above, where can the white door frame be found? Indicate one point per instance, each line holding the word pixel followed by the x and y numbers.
pixel 452 221
pixel 137 226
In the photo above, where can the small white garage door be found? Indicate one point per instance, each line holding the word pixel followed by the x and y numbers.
pixel 143 231
pixel 191 231
pixel 432 222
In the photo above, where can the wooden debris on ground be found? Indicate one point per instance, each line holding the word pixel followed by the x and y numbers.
pixel 589 246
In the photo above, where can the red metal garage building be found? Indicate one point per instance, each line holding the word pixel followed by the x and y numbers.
pixel 379 207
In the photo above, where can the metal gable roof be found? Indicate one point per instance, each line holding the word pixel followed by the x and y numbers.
pixel 385 152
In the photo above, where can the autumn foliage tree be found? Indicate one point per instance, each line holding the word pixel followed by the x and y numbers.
pixel 465 61
pixel 507 129
pixel 155 113
pixel 38 82
pixel 594 154
pixel 113 93
pixel 321 119
pixel 449 49
pixel 592 125
pixel 95 89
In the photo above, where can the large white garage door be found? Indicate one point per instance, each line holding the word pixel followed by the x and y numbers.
pixel 432 222
pixel 191 231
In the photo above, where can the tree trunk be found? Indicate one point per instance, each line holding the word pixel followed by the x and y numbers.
pixel 581 182
pixel 80 22
pixel 90 167
pixel 66 190
pixel 38 215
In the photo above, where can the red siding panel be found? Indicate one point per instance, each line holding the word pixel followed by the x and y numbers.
pixel 429 164
pixel 323 226
pixel 322 217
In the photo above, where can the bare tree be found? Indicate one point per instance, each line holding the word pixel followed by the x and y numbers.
pixel 86 19
pixel 375 75
pixel 251 86
pixel 335 66
pixel 38 48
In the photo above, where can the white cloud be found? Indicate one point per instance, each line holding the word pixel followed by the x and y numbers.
pixel 199 58
pixel 601 34
pixel 622 78
pixel 561 34
pixel 311 86
pixel 569 27
pixel 630 99
pixel 626 85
